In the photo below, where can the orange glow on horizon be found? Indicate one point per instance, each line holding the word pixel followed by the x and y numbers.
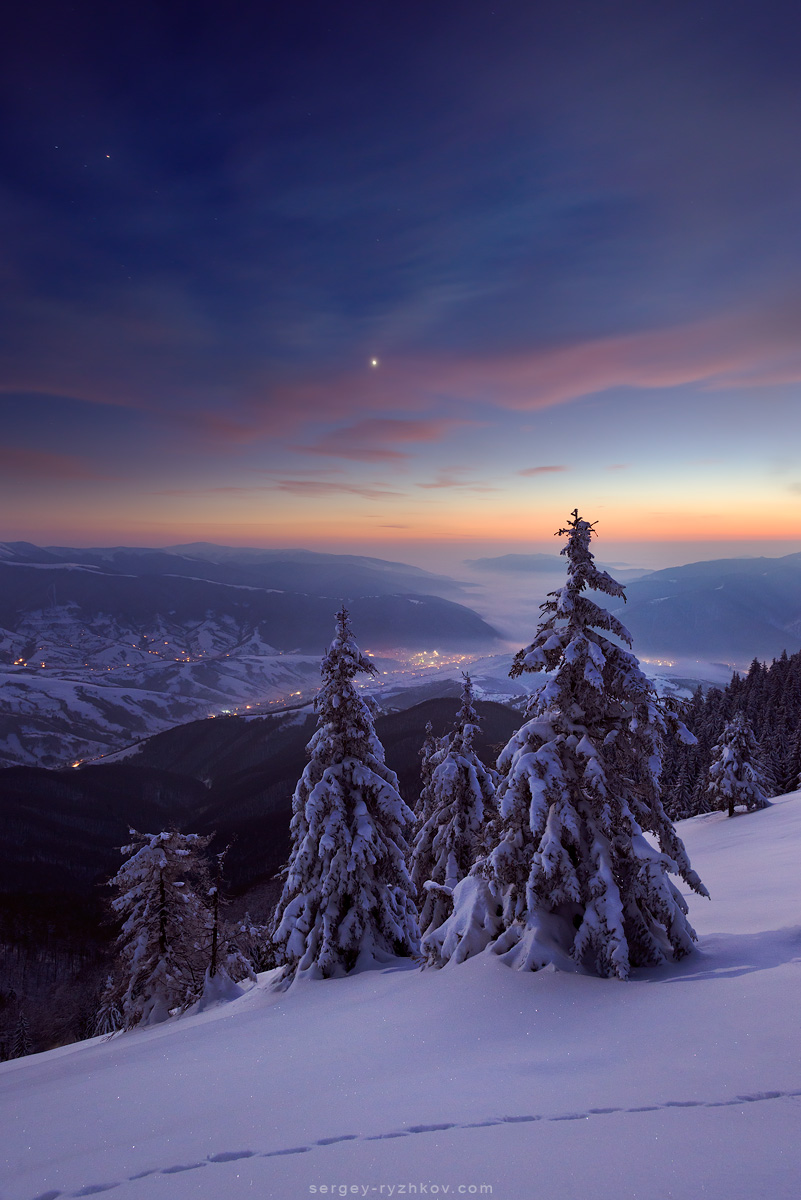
pixel 486 523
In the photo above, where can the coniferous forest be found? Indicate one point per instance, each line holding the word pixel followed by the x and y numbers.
pixel 768 696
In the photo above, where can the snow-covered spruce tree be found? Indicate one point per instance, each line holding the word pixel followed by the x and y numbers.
pixel 431 753
pixel 347 902
pixel 678 804
pixel 451 839
pixel 21 1044
pixel 108 1018
pixel 253 941
pixel 735 775
pixel 572 880
pixel 165 931
pixel 227 964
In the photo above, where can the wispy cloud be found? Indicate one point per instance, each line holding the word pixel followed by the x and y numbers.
pixel 446 480
pixel 734 350
pixel 322 487
pixel 213 491
pixel 544 470
pixel 295 487
pixel 22 465
pixel 375 439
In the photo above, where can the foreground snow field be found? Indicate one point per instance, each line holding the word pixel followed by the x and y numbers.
pixel 684 1082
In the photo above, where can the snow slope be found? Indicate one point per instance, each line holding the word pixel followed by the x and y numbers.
pixel 682 1083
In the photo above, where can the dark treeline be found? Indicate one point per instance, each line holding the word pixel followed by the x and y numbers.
pixel 769 697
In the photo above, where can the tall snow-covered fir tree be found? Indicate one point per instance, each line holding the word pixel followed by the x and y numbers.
pixel 163 941
pixel 572 880
pixel 735 774
pixel 347 901
pixel 452 836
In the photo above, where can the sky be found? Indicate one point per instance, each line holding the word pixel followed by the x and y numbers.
pixel 407 279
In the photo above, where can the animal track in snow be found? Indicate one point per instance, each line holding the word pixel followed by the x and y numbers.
pixel 430 1128
pixel 230 1156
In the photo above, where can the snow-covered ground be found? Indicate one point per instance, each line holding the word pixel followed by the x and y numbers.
pixel 59 715
pixel 684 1082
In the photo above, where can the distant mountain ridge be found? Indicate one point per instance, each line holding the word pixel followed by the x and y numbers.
pixel 730 610
pixel 526 564
pixel 334 575
pixel 734 609
pixel 287 596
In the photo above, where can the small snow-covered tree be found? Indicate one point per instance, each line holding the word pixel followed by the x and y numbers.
pixel 347 901
pixel 108 1018
pixel 21 1044
pixel 735 775
pixel 680 797
pixel 253 941
pixel 573 879
pixel 431 753
pixel 164 936
pixel 461 803
pixel 227 964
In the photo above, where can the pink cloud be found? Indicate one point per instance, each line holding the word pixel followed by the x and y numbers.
pixel 295 487
pixel 547 470
pixel 375 438
pixel 732 351
pixel 318 487
pixel 452 481
pixel 40 465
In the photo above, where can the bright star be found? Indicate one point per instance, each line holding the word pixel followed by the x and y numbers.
pixel 373 362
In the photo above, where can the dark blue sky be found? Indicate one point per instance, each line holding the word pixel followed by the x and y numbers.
pixel 214 220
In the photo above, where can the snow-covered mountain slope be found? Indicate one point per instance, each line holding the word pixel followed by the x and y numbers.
pixel 732 609
pixel 63 714
pixel 691 616
pixel 333 575
pixel 684 1082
